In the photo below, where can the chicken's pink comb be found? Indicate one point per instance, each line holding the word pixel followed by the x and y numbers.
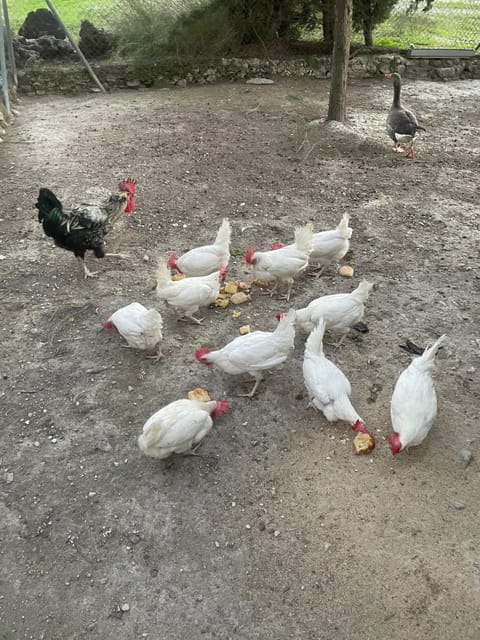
pixel 249 254
pixel 394 442
pixel 129 185
pixel 281 316
pixel 276 245
pixel 108 324
pixel 172 261
pixel 222 407
pixel 200 353
pixel 360 426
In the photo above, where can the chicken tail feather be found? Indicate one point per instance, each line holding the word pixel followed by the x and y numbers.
pixel 343 227
pixel 224 233
pixel 163 276
pixel 304 238
pixel 314 342
pixel 49 207
pixel 430 352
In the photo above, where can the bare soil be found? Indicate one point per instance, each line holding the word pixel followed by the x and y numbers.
pixel 279 530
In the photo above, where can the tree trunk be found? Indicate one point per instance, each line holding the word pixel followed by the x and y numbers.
pixel 337 103
pixel 368 33
pixel 328 19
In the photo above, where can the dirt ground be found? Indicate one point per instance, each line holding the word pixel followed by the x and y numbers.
pixel 279 531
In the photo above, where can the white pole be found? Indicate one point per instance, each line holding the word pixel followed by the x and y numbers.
pixel 76 47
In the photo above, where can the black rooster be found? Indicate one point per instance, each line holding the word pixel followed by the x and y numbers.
pixel 84 228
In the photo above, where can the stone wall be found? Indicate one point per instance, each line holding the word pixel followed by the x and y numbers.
pixel 43 79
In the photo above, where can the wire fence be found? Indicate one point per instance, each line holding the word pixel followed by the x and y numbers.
pixel 448 24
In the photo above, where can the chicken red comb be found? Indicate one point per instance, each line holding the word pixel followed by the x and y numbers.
pixel 249 254
pixel 172 261
pixel 222 407
pixel 394 442
pixel 223 274
pixel 108 324
pixel 129 185
pixel 360 426
pixel 200 353
pixel 276 245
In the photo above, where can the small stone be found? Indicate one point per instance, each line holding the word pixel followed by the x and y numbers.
pixel 9 477
pixel 245 329
pixel 92 494
pixel 125 607
pixel 259 81
pixel 36 443
pixel 247 526
pixel 103 445
pixel 465 457
pixel 146 258
pixel 276 533
pixel 458 505
pixel 130 388
pixel 261 525
pixel 217 544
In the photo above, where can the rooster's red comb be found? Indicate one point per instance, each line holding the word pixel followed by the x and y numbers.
pixel 222 407
pixel 108 324
pixel 249 254
pixel 200 353
pixel 172 261
pixel 129 185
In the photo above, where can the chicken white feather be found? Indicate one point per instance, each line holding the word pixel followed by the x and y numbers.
pixel 340 310
pixel 330 246
pixel 188 295
pixel 254 352
pixel 328 388
pixel 178 427
pixel 205 260
pixel 141 327
pixel 414 401
pixel 283 264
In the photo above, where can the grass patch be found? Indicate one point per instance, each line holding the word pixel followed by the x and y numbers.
pixel 72 12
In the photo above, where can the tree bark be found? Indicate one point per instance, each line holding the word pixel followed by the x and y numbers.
pixel 337 103
pixel 368 33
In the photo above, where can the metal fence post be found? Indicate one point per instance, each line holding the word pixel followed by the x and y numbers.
pixel 3 67
pixel 76 47
pixel 8 40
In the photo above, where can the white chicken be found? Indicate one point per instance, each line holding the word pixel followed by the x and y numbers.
pixel 328 388
pixel 254 352
pixel 202 261
pixel 284 263
pixel 340 310
pixel 330 246
pixel 178 427
pixel 141 328
pixel 414 401
pixel 188 295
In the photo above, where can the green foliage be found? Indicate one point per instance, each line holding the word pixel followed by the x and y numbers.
pixel 149 29
pixel 371 12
